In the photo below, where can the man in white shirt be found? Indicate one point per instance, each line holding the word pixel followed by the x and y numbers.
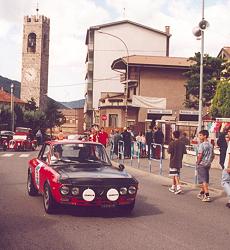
pixel 226 170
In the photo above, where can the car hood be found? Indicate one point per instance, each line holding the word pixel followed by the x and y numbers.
pixel 97 174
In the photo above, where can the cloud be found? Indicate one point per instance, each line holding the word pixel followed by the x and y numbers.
pixel 69 21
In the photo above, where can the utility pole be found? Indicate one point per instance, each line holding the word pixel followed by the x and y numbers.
pixel 12 106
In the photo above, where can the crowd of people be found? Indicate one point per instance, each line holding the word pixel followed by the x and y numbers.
pixel 205 156
pixel 176 150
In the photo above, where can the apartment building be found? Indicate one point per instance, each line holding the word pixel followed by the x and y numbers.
pixel 107 42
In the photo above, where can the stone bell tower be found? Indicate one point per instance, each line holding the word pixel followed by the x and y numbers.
pixel 35 59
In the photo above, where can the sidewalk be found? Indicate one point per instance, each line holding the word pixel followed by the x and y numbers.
pixel 187 171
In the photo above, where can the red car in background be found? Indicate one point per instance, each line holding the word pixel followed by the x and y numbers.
pixel 22 140
pixel 80 174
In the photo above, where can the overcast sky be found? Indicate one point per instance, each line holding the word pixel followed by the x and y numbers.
pixel 69 22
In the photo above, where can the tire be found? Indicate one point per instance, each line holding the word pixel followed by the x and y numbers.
pixel 48 201
pixel 32 191
pixel 4 147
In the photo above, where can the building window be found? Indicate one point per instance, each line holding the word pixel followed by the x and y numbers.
pixel 31 44
pixel 130 123
pixel 113 120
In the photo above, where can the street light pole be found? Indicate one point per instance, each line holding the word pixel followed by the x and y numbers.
pixel 127 73
pixel 12 106
pixel 201 75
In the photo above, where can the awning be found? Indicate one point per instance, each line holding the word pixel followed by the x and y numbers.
pixel 149 102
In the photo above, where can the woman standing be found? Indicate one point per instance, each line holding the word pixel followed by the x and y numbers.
pixel 226 170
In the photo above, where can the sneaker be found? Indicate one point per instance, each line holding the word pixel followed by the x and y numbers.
pixel 171 189
pixel 206 198
pixel 200 196
pixel 178 191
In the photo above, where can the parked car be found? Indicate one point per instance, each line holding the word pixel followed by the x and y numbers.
pixel 79 174
pixel 5 137
pixel 23 139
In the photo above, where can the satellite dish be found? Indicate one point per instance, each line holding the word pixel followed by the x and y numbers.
pixel 196 31
pixel 203 25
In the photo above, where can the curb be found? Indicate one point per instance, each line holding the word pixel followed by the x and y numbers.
pixel 183 183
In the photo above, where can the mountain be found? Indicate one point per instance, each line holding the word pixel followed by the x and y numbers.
pixel 74 104
pixel 5 83
pixel 59 104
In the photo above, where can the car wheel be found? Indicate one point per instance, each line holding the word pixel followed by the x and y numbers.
pixel 32 191
pixel 128 208
pixel 4 147
pixel 48 200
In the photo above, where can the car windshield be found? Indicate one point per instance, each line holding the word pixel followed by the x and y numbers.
pixel 21 129
pixel 80 153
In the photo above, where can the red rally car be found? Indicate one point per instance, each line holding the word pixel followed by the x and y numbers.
pixel 22 140
pixel 79 173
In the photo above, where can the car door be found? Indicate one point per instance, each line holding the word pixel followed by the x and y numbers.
pixel 41 174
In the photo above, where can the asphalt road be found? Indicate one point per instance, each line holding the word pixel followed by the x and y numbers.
pixel 160 220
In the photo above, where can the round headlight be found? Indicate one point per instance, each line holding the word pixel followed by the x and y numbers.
pixel 132 190
pixel 75 191
pixel 123 190
pixel 64 190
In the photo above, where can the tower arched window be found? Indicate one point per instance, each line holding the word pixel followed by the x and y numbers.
pixel 31 44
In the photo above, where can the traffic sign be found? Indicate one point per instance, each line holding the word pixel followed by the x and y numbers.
pixel 104 117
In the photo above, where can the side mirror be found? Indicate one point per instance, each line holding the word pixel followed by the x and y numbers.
pixel 121 167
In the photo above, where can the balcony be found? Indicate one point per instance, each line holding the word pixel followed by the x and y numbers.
pixel 132 81
pixel 89 85
pixel 114 102
pixel 89 66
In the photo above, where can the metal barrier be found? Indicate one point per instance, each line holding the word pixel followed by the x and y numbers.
pixel 111 152
pixel 193 148
pixel 121 147
pixel 152 154
pixel 135 152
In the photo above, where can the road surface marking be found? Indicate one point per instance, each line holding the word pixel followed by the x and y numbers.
pixel 7 155
pixel 24 155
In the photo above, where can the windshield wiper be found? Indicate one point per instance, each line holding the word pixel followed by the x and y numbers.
pixel 64 160
pixel 101 162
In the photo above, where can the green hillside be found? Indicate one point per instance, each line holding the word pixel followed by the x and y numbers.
pixel 5 83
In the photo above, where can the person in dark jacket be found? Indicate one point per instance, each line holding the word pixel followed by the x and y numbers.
pixel 127 139
pixel 222 143
pixel 158 138
pixel 176 150
pixel 149 140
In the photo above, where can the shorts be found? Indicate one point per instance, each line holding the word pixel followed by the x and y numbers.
pixel 203 174
pixel 174 172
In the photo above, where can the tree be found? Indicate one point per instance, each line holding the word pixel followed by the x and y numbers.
pixel 35 120
pixel 53 116
pixel 212 68
pixel 19 116
pixel 31 105
pixel 5 117
pixel 221 101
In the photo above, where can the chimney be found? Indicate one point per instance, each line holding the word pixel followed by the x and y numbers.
pixel 167 30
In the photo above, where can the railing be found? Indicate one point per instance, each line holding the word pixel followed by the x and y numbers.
pixel 121 155
pixel 154 152
pixel 135 152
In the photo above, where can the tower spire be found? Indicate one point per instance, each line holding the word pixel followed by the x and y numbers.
pixel 37 9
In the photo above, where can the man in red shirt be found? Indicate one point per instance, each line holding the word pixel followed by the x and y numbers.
pixel 103 137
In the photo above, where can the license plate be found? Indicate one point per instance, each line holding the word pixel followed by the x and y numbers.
pixel 108 205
